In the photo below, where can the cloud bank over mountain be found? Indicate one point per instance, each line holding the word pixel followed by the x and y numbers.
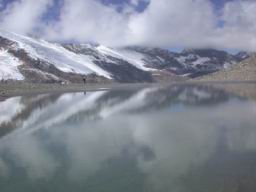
pixel 165 23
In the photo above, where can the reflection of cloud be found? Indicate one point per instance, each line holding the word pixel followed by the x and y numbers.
pixel 178 141
pixel 94 144
pixel 182 140
pixel 30 154
pixel 3 169
pixel 240 140
pixel 177 144
pixel 10 108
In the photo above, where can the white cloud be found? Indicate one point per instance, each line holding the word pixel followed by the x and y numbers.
pixel 165 23
pixel 240 25
pixel 173 22
pixel 187 23
pixel 23 16
pixel 86 20
pixel 136 2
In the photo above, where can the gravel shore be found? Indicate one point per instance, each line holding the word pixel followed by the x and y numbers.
pixel 20 89
pixel 244 89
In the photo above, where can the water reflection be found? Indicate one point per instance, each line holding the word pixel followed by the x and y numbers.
pixel 179 138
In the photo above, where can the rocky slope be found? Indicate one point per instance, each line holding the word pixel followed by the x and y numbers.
pixel 36 60
pixel 244 71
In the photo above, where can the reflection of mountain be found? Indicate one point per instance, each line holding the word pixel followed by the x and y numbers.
pixel 16 110
pixel 47 110
pixel 153 139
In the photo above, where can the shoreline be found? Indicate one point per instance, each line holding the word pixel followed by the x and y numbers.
pixel 21 89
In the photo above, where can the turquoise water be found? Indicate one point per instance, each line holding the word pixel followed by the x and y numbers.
pixel 182 138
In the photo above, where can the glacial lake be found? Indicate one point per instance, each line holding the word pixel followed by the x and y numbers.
pixel 177 138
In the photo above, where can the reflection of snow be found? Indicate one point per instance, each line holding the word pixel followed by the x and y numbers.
pixel 134 102
pixel 66 106
pixel 199 93
pixel 10 108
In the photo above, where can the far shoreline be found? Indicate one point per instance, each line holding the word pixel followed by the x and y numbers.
pixel 21 89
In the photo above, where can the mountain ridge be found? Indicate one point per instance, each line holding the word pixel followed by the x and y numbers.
pixel 36 60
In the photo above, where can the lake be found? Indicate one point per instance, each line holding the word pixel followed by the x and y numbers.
pixel 177 138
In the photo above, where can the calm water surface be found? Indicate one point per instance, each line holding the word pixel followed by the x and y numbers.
pixel 182 138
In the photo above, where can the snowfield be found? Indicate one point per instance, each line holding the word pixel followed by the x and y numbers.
pixel 9 67
pixel 62 58
pixel 134 58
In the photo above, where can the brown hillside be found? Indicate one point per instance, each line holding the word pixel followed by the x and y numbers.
pixel 244 71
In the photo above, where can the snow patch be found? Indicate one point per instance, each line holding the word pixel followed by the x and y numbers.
pixel 201 60
pixel 136 59
pixel 181 59
pixel 9 67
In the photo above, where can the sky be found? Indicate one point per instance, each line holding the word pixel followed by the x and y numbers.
pixel 222 24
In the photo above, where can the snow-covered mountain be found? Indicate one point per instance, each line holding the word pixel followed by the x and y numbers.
pixel 190 62
pixel 36 60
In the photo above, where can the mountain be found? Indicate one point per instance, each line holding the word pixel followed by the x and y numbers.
pixel 190 62
pixel 36 60
pixel 244 71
